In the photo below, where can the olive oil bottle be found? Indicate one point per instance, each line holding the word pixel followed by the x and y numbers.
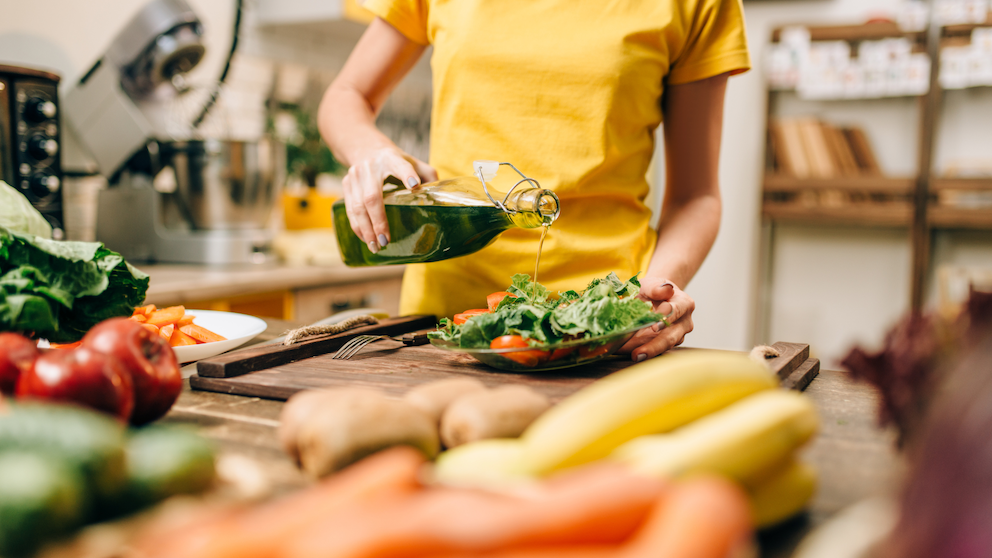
pixel 446 219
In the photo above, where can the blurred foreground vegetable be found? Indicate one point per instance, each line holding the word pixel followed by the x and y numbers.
pixel 62 467
pixel 947 501
pixel 935 379
pixel 377 508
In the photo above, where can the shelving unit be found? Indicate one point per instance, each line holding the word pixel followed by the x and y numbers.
pixel 906 202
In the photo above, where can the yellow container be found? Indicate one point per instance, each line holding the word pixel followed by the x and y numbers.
pixel 311 211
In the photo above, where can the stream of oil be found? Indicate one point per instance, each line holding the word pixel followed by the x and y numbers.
pixel 537 262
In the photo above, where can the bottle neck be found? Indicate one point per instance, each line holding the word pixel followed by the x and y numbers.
pixel 533 207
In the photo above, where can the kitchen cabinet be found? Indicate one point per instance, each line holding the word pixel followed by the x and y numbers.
pixel 311 305
pixel 301 293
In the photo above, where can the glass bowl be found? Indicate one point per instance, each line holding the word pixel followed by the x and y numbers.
pixel 539 358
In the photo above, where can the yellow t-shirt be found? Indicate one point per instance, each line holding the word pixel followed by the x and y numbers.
pixel 569 91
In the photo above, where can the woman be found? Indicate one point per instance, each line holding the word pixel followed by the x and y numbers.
pixel 570 92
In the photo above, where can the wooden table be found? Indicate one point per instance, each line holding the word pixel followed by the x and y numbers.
pixel 855 458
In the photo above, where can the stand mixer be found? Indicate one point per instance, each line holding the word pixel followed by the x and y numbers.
pixel 181 199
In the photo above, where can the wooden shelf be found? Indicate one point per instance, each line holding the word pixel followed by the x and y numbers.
pixel 776 183
pixel 866 32
pixel 970 184
pixel 888 214
pixel 963 29
pixel 943 217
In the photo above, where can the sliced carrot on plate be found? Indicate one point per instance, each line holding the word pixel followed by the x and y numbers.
pixel 151 328
pixel 185 320
pixel 166 316
pixel 180 339
pixel 166 331
pixel 139 318
pixel 144 310
pixel 201 334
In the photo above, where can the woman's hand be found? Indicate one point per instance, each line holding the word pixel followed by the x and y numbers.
pixel 677 307
pixel 363 190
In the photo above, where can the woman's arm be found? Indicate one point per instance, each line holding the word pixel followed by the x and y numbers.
pixel 690 214
pixel 347 122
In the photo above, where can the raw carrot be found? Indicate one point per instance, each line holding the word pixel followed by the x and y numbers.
pixel 166 316
pixel 166 331
pixel 143 310
pixel 262 531
pixel 556 551
pixel 599 505
pixel 702 517
pixel 185 320
pixel 72 345
pixel 201 334
pixel 180 339
pixel 139 318
pixel 151 328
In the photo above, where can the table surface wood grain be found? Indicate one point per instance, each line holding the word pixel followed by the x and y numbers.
pixel 854 457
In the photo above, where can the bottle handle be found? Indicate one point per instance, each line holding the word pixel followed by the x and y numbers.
pixel 487 170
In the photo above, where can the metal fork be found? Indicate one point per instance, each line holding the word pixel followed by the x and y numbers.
pixel 357 343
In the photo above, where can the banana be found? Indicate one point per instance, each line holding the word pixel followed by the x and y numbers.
pixel 657 395
pixel 486 462
pixel 744 441
pixel 783 494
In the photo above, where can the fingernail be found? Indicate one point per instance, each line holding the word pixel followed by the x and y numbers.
pixel 641 357
pixel 383 241
pixel 412 181
pixel 373 247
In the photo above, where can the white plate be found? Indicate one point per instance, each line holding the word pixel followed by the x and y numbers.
pixel 238 328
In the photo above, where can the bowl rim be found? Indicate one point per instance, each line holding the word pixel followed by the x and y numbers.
pixel 606 338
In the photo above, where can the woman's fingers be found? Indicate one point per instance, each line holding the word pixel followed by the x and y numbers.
pixel 676 307
pixel 363 193
pixel 665 339
pixel 355 208
pixel 375 174
pixel 426 172
pixel 656 291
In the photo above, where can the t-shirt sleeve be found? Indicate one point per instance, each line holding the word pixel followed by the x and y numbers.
pixel 715 43
pixel 407 16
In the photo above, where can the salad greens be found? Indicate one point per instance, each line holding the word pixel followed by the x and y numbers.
pixel 534 314
pixel 58 290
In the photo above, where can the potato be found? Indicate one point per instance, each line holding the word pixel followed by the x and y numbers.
pixel 297 411
pixel 338 427
pixel 503 412
pixel 433 398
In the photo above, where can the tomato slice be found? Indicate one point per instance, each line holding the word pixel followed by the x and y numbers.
pixel 586 351
pixel 559 354
pixel 494 299
pixel 529 359
pixel 463 317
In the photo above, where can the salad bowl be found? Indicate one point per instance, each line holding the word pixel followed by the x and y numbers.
pixel 541 358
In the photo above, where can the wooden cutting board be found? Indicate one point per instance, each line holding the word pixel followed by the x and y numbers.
pixel 395 368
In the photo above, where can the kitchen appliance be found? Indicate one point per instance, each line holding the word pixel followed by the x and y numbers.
pixel 30 139
pixel 174 196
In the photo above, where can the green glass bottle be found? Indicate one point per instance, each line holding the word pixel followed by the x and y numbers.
pixel 448 218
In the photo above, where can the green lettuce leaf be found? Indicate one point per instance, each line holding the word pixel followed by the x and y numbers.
pixel 80 284
pixel 607 305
